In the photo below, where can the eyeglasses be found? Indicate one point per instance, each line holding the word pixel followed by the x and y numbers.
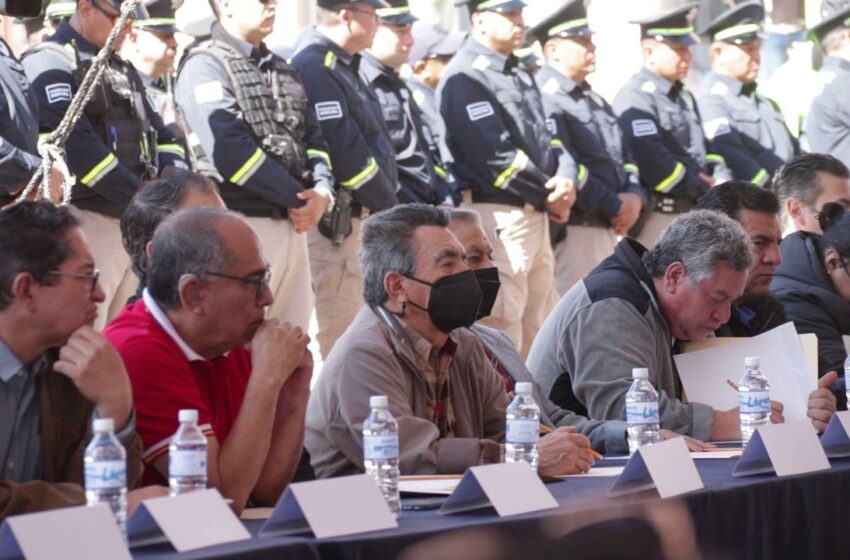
pixel 261 283
pixel 85 276
pixel 112 17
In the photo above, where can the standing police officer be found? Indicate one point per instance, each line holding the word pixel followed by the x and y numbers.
pixel 150 47
pixel 117 144
pixel 251 129
pixel 505 160
pixel 828 121
pixel 744 127
pixel 421 174
pixel 18 127
pixel 661 123
pixel 327 59
pixel 611 199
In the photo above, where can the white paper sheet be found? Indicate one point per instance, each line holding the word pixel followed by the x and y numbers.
pixel 436 486
pixel 715 454
pixel 783 361
pixel 597 471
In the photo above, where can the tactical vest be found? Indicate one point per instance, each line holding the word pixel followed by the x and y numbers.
pixel 273 105
pixel 116 110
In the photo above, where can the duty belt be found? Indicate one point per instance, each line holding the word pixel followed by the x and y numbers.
pixel 497 197
pixel 587 219
pixel 672 205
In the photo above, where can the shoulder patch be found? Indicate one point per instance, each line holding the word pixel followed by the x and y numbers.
pixel 58 92
pixel 648 87
pixel 208 92
pixel 481 63
pixel 643 127
pixel 418 96
pixel 717 127
pixel 552 126
pixel 328 110
pixel 719 89
pixel 480 110
pixel 551 86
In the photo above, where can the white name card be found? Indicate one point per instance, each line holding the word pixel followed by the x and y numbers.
pixel 666 466
pixel 330 508
pixel 835 439
pixel 789 448
pixel 66 533
pixel 189 521
pixel 511 488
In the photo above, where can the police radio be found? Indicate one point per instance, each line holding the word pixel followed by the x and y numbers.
pixel 20 8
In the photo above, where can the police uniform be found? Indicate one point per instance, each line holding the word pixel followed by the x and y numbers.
pixel 827 125
pixel 503 156
pixel 663 130
pixel 584 122
pixel 160 91
pixel 117 144
pixel 18 126
pixel 429 41
pixel 251 131
pixel 745 128
pixel 421 175
pixel 364 166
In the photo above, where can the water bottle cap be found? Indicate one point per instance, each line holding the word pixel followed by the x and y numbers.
pixel 378 401
pixel 523 388
pixel 752 361
pixel 104 425
pixel 640 373
pixel 188 415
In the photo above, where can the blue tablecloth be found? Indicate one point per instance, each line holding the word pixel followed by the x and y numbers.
pixel 755 517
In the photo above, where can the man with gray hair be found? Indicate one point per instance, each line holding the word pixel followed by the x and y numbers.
pixel 198 339
pixel 410 343
pixel 680 290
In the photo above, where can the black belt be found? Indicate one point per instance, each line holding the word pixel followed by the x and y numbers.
pixel 587 219
pixel 272 212
pixel 673 205
pixel 498 197
pixel 359 211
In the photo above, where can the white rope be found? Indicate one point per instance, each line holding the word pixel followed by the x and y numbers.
pixel 51 147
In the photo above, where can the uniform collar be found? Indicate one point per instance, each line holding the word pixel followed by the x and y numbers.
pixel 733 86
pixel 162 319
pixel 65 34
pixel 496 59
pixel 10 365
pixel 548 75
pixel 220 34
pixel 374 68
pixel 836 63
pixel 665 87
pixel 341 55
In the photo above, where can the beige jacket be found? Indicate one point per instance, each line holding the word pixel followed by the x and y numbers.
pixel 377 355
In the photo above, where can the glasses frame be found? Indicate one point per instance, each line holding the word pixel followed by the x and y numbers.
pixel 93 276
pixel 112 17
pixel 260 283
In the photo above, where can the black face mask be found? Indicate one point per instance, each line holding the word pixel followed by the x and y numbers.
pixel 488 280
pixel 454 301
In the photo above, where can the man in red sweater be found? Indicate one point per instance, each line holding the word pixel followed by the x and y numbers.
pixel 198 338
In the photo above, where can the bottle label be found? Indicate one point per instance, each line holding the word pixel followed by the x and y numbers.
pixel 103 475
pixel 642 413
pixel 380 448
pixel 187 462
pixel 751 402
pixel 522 431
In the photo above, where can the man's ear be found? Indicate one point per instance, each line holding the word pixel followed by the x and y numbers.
pixel 794 208
pixel 22 289
pixel 832 260
pixel 189 289
pixel 674 277
pixel 395 289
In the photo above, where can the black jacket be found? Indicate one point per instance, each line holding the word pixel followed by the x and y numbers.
pixel 754 316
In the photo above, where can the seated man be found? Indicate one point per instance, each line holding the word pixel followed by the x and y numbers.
pixel 407 343
pixel 758 310
pixel 628 312
pixel 152 204
pixel 198 339
pixel 56 372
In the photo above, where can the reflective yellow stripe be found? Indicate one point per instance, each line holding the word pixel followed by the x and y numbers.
pixel 518 164
pixel 582 175
pixel 736 30
pixel 567 25
pixel 329 59
pixel 670 31
pixel 556 143
pixel 154 21
pixel 441 171
pixel 242 175
pixel 760 179
pixel 320 154
pixel 358 180
pixel 672 179
pixel 632 168
pixel 716 158
pixel 388 12
pixel 99 170
pixel 44 134
pixel 173 148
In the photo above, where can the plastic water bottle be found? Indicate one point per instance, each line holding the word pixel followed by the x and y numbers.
pixel 105 469
pixel 641 411
pixel 522 427
pixel 380 450
pixel 753 399
pixel 187 456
